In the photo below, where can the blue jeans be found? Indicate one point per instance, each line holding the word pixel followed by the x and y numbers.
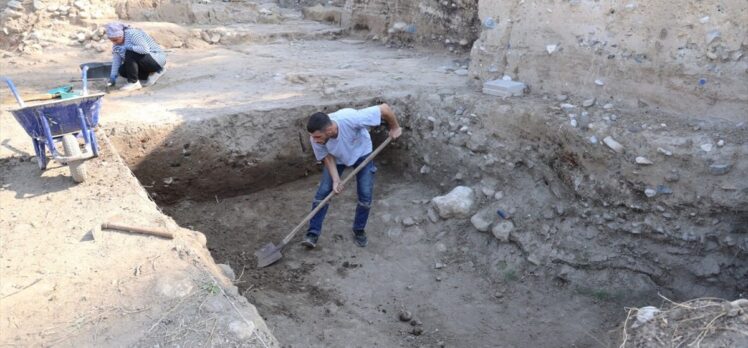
pixel 365 187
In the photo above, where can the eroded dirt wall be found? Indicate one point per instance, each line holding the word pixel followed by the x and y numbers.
pixel 450 24
pixel 222 156
pixel 578 208
pixel 685 55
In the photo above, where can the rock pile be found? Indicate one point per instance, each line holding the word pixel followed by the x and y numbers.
pixel 31 26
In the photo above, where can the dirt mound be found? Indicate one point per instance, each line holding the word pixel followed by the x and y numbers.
pixel 200 12
pixel 703 322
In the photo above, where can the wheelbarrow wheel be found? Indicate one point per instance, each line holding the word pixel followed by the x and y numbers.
pixel 77 168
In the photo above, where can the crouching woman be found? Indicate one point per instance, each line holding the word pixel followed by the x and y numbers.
pixel 135 56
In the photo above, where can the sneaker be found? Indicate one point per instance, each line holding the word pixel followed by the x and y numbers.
pixel 310 240
pixel 131 86
pixel 360 238
pixel 152 78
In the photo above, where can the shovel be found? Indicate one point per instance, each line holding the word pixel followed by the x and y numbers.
pixel 63 92
pixel 270 253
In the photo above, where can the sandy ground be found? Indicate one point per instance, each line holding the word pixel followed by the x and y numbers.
pixel 66 282
pixel 221 80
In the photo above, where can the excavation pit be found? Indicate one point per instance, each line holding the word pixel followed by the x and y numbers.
pixel 571 265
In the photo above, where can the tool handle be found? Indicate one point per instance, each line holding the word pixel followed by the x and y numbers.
pixel 159 232
pixel 39 97
pixel 329 197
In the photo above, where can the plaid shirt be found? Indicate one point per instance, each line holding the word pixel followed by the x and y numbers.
pixel 137 41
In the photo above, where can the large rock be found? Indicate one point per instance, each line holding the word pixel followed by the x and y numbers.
pixel 241 329
pixel 323 13
pixel 708 266
pixel 502 230
pixel 227 271
pixel 16 5
pixel 483 219
pixel 175 286
pixel 39 5
pixel 456 204
pixel 613 144
pixel 504 88
pixel 720 169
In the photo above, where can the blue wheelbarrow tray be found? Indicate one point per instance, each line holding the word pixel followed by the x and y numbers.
pixel 46 121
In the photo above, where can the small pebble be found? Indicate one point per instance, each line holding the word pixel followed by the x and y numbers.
pixel 664 152
pixel 643 161
pixel 662 189
pixel 672 177
pixel 405 316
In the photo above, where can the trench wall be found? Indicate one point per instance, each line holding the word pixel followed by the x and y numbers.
pixel 684 55
pixel 222 156
pixel 450 24
pixel 579 212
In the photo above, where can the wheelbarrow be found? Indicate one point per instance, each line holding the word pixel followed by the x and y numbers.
pixel 62 120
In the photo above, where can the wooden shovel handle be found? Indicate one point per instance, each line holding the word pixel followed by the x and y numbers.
pixel 39 97
pixel 153 231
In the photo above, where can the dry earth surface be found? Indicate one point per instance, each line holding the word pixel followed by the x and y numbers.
pixel 219 145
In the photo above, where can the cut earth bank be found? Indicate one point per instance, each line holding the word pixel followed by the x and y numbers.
pixel 593 230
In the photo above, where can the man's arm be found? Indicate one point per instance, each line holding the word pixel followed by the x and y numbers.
pixel 332 168
pixel 389 116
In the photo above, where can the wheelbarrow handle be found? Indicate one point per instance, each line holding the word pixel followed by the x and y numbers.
pixel 14 91
pixel 84 77
pixel 332 194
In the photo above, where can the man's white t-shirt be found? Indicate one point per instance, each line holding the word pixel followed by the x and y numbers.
pixel 353 139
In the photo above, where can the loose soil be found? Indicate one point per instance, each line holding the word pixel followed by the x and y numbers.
pixel 340 295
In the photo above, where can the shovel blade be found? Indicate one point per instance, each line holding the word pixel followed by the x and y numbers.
pixel 267 255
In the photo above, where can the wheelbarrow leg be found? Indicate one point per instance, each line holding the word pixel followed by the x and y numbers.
pixel 88 134
pixel 94 143
pixel 84 128
pixel 48 135
pixel 41 154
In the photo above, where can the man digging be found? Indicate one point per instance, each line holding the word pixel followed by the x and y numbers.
pixel 342 140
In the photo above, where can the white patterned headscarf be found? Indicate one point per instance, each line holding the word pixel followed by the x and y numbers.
pixel 115 30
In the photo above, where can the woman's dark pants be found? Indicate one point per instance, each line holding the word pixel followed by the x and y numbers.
pixel 138 66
